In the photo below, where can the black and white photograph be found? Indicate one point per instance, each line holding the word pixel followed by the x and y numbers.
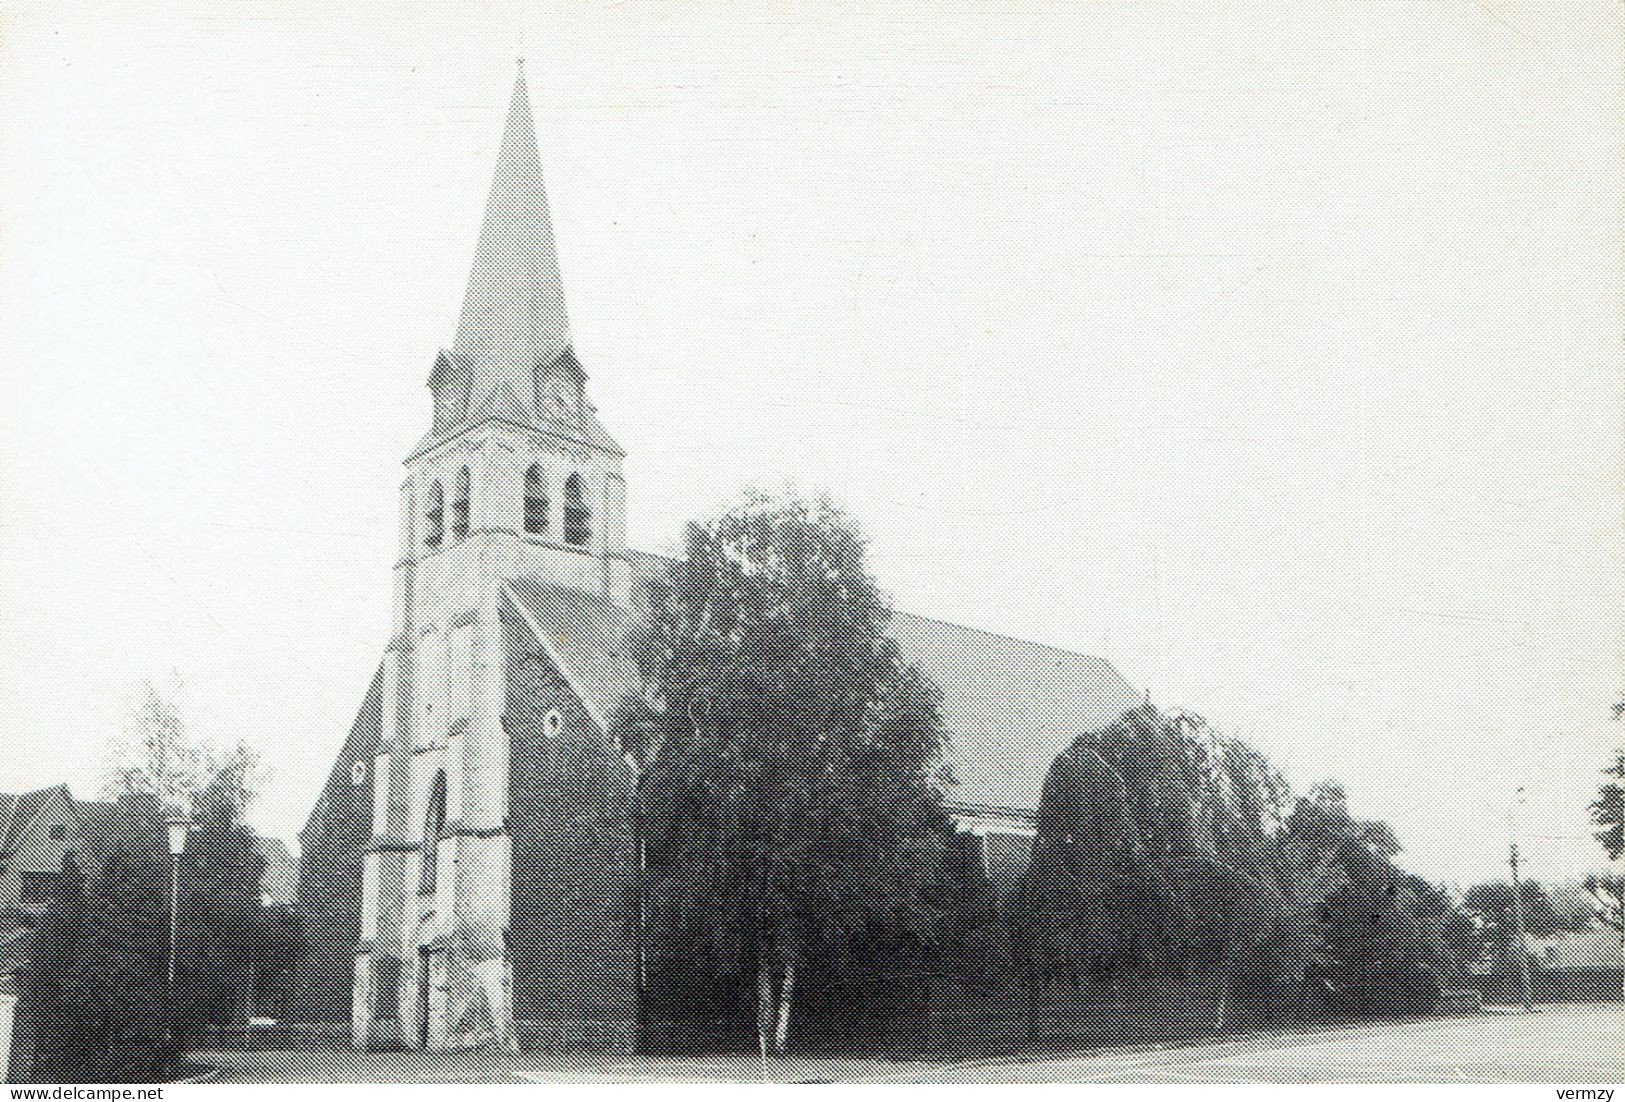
pixel 854 542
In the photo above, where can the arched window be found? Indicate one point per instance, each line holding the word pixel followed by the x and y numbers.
pixel 434 824
pixel 459 506
pixel 576 514
pixel 435 514
pixel 535 500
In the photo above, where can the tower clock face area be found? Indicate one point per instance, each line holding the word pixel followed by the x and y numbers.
pixel 449 404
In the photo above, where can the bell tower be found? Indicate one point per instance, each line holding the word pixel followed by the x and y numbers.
pixel 516 460
pixel 516 477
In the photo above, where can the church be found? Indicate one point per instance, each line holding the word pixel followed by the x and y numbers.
pixel 471 849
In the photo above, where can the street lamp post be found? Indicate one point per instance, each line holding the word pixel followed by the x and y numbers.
pixel 1521 943
pixel 178 822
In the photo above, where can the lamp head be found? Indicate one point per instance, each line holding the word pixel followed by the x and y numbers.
pixel 179 823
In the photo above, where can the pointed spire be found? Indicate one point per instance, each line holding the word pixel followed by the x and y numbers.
pixel 513 312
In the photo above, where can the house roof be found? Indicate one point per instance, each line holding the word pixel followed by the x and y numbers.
pixel 26 807
pixel 8 805
pixel 1009 705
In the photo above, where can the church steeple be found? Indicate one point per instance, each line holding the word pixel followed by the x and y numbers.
pixel 511 359
pixel 513 311
pixel 516 463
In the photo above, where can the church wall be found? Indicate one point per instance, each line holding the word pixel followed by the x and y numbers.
pixel 330 874
pixel 573 946
pixel 1003 844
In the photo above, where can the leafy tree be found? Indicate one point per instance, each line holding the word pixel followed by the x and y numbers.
pixel 1609 892
pixel 1608 809
pixel 1321 819
pixel 1155 853
pixel 1090 904
pixel 278 947
pixel 53 951
pixel 222 920
pixel 158 765
pixel 1491 904
pixel 1163 845
pixel 158 754
pixel 118 989
pixel 1608 816
pixel 789 752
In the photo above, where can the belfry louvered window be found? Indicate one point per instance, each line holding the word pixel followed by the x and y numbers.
pixel 459 506
pixel 576 514
pixel 434 825
pixel 434 515
pixel 535 500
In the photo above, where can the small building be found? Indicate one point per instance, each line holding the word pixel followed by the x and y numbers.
pixel 1580 950
pixel 279 879
pixel 42 830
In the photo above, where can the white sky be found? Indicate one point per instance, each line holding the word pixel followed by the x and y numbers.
pixel 1270 350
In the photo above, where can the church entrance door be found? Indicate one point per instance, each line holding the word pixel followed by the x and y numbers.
pixel 423 999
pixel 432 987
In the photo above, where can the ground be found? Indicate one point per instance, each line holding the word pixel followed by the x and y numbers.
pixel 1580 1044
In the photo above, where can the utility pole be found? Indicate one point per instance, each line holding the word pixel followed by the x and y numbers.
pixel 1520 941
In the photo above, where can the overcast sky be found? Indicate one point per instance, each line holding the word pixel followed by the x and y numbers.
pixel 1269 350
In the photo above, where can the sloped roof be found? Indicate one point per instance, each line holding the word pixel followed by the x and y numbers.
pixel 27 806
pixel 513 320
pixel 1009 705
pixel 361 742
pixel 8 806
pixel 514 307
pixel 588 633
pixel 1582 949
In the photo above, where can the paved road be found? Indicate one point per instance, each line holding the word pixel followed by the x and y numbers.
pixel 1579 1045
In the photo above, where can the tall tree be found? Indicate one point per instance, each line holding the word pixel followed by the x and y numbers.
pixel 790 752
pixel 118 986
pixel 157 753
pixel 1154 853
pixel 1608 809
pixel 1491 904
pixel 1163 844
pixel 55 956
pixel 159 765
pixel 1090 904
pixel 222 920
pixel 1608 816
